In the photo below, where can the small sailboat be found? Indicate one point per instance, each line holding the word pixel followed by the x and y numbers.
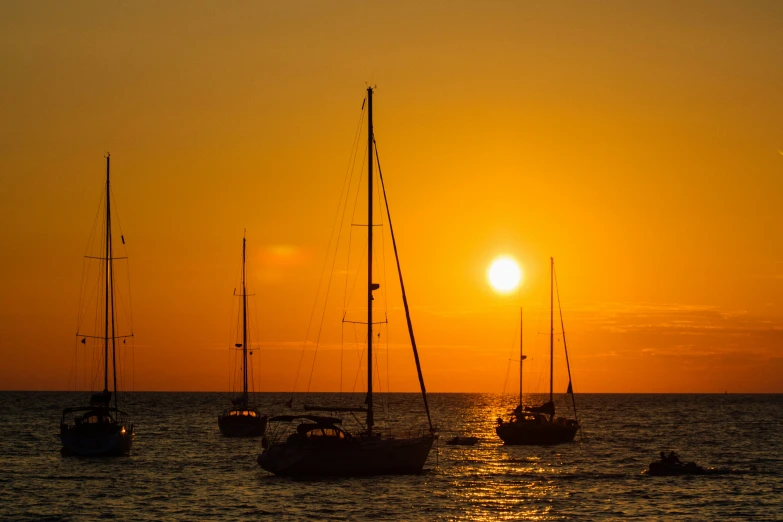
pixel 538 425
pixel 320 445
pixel 242 419
pixel 100 428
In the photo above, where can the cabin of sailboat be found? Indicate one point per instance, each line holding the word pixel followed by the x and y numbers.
pixel 242 419
pixel 321 445
pixel 101 428
pixel 538 425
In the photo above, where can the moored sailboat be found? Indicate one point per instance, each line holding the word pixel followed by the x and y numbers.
pixel 100 428
pixel 321 445
pixel 538 425
pixel 242 419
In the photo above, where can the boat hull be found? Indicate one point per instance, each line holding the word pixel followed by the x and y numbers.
pixel 462 441
pixel 241 426
pixel 536 434
pixel 665 469
pixel 107 444
pixel 348 457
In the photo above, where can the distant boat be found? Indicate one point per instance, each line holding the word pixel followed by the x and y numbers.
pixel 671 465
pixel 321 445
pixel 100 429
pixel 462 441
pixel 242 419
pixel 538 425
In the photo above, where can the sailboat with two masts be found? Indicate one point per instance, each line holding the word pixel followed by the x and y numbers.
pixel 242 419
pixel 321 446
pixel 100 428
pixel 538 425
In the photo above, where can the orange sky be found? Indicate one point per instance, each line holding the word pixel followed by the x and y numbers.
pixel 637 143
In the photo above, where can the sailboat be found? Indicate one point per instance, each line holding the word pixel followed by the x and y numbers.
pixel 242 419
pixel 100 428
pixel 321 445
pixel 538 425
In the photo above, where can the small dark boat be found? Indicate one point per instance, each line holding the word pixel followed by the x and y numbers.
pixel 667 469
pixel 670 465
pixel 462 441
pixel 242 419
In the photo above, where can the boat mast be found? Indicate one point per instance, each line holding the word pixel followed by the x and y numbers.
pixel 111 301
pixel 106 293
pixel 551 324
pixel 244 327
pixel 370 420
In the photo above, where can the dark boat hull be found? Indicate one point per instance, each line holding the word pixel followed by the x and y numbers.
pixel 107 444
pixel 665 469
pixel 348 457
pixel 462 441
pixel 241 426
pixel 538 434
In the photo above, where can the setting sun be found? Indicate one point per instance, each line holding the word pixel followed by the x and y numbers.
pixel 504 274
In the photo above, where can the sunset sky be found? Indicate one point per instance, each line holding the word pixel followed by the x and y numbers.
pixel 638 143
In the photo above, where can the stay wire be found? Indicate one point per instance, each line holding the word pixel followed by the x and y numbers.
pixel 346 185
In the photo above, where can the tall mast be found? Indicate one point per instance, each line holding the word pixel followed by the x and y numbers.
pixel 244 327
pixel 106 300
pixel 551 324
pixel 370 420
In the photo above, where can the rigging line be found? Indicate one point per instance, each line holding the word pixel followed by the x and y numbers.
pixel 86 262
pixel 97 355
pixel 508 366
pixel 99 220
pixel 404 295
pixel 344 190
pixel 376 364
pixel 96 292
pixel 358 187
pixel 129 314
pixel 323 315
pixel 74 366
pixel 386 307
pixel 342 346
pixel 232 335
pixel 347 270
pixel 257 327
pixel 565 346
pixel 359 367
pixel 133 365
pixel 505 381
pixel 253 326
pixel 356 276
pixel 352 161
pixel 388 381
pixel 383 240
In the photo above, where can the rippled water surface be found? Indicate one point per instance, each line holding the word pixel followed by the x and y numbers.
pixel 182 469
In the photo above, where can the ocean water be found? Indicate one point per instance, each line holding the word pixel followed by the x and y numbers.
pixel 182 469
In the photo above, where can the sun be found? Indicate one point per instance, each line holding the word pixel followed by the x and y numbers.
pixel 504 274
